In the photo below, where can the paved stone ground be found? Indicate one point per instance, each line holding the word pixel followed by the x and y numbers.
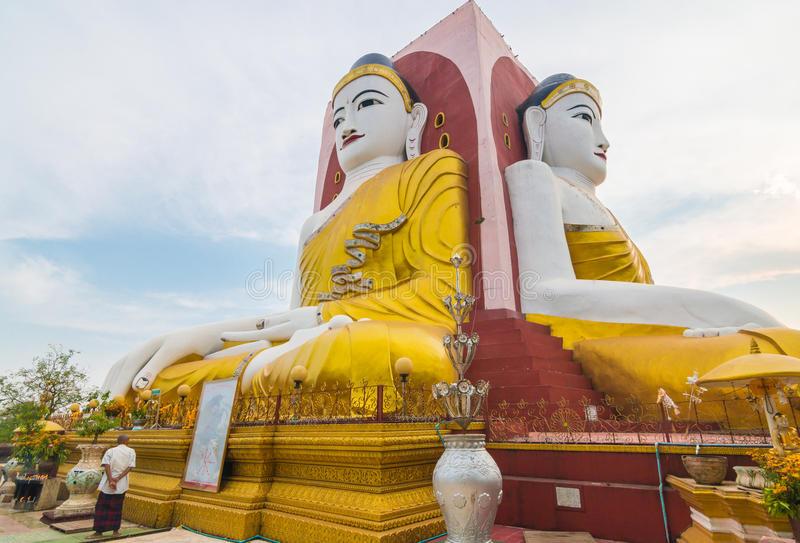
pixel 17 527
pixel 508 534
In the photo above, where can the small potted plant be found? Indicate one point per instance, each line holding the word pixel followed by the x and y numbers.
pixel 782 493
pixel 38 443
pixel 138 417
pixel 51 450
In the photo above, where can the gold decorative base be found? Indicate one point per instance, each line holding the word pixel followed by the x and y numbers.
pixel 288 528
pixel 726 513
pixel 295 483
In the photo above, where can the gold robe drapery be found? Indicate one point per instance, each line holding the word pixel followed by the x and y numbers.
pixel 605 253
pixel 383 256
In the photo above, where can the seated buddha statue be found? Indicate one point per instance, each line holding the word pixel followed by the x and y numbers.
pixel 790 441
pixel 372 266
pixel 581 274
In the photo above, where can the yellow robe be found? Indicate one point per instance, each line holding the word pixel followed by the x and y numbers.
pixel 635 360
pixel 384 256
pixel 605 253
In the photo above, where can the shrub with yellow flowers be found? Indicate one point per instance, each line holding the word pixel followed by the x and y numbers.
pixel 782 496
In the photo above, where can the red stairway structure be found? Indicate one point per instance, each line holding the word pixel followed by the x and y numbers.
pixel 523 361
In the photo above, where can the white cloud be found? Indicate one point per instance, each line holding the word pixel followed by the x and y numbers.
pixel 38 291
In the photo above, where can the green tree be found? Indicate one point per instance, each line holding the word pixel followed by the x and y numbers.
pixel 25 415
pixel 54 380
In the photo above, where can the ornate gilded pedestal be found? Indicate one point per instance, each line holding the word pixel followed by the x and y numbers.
pixel 726 514
pixel 367 482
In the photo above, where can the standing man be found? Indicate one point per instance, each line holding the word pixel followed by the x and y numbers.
pixel 117 463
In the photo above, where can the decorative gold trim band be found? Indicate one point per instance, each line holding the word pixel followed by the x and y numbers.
pixel 571 87
pixel 664 448
pixel 590 228
pixel 376 69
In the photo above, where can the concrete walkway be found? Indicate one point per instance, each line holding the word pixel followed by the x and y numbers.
pixel 19 527
pixel 25 527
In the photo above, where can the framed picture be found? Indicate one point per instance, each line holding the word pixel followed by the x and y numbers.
pixel 210 440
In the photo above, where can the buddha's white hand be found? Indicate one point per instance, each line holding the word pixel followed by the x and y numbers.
pixel 279 327
pixel 721 331
pixel 139 368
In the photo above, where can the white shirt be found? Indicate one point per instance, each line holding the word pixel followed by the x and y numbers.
pixel 119 459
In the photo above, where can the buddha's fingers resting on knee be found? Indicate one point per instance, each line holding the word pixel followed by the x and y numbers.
pixel 278 332
pixel 163 358
pixel 252 347
pixel 719 331
pixel 121 375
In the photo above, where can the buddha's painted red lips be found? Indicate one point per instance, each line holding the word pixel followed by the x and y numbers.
pixel 350 139
pixel 601 155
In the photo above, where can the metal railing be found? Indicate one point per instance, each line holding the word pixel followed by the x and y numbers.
pixel 608 421
pixel 631 422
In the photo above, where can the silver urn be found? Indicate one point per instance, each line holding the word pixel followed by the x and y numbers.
pixel 469 488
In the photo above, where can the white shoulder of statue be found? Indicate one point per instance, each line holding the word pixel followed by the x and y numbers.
pixel 529 171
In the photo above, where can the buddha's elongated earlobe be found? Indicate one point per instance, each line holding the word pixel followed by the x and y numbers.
pixel 419 114
pixel 535 118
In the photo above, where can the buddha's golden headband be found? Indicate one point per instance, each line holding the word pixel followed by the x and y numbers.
pixel 382 71
pixel 571 87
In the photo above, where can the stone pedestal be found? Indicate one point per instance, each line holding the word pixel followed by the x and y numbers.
pixel 49 496
pixel 11 470
pixel 727 514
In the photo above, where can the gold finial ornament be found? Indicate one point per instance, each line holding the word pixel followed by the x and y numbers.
pixel 184 390
pixel 145 395
pixel 462 399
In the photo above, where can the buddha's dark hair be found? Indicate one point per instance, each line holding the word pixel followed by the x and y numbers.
pixel 545 87
pixel 377 58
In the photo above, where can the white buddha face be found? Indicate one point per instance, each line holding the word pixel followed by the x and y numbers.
pixel 573 137
pixel 371 121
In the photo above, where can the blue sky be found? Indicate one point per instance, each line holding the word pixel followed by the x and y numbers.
pixel 154 155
